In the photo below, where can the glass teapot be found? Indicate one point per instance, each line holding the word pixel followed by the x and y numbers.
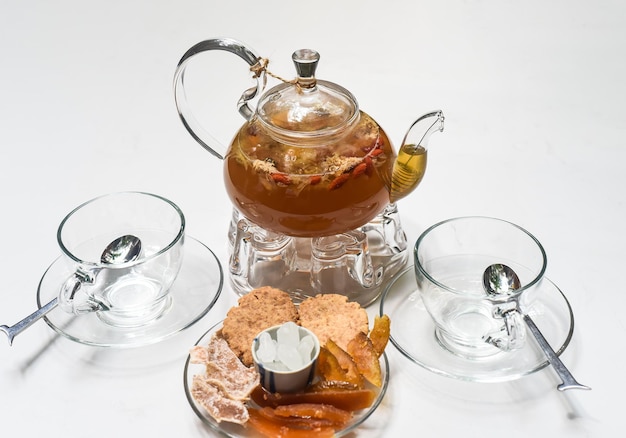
pixel 309 170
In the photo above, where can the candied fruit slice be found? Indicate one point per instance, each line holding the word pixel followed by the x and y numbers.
pixel 324 385
pixel 366 359
pixel 272 428
pixel 346 399
pixel 338 418
pixel 347 363
pixel 380 333
pixel 293 422
pixel 328 367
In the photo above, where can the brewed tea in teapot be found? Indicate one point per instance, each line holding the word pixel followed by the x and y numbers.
pixel 313 180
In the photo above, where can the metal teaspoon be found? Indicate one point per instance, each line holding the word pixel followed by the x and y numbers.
pixel 499 279
pixel 123 249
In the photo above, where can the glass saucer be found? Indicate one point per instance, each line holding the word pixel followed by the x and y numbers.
pixel 413 334
pixel 239 431
pixel 195 291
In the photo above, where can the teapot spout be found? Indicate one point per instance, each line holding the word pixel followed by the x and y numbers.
pixel 410 165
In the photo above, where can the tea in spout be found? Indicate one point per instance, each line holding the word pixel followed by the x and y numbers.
pixel 410 165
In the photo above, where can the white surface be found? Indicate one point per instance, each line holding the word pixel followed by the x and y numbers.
pixel 533 94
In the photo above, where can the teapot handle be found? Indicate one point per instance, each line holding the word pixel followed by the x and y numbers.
pixel 196 130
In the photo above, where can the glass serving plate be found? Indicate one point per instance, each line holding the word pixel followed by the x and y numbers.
pixel 238 431
pixel 413 334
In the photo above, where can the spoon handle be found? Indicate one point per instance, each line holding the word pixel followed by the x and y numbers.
pixel 17 328
pixel 569 382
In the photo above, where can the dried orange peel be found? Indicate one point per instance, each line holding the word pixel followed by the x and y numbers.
pixel 380 333
pixel 366 359
pixel 346 363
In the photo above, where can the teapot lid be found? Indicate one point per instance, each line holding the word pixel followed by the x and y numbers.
pixel 307 110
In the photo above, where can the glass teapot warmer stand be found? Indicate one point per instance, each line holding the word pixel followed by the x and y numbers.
pixel 357 264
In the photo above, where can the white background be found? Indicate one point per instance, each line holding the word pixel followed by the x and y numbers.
pixel 533 94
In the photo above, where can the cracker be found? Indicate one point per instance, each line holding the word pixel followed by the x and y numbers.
pixel 257 310
pixel 333 316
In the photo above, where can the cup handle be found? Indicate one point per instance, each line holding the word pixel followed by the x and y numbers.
pixel 512 335
pixel 72 300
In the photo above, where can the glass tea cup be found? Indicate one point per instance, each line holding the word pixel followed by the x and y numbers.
pixel 450 259
pixel 131 293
